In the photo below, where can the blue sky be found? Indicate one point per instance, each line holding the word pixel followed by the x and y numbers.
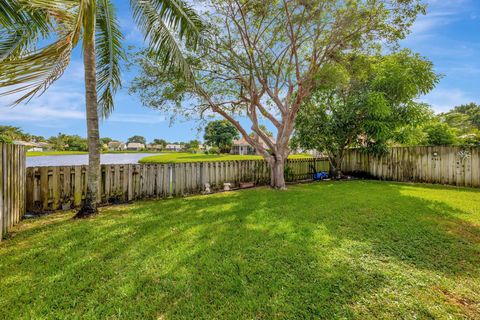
pixel 449 35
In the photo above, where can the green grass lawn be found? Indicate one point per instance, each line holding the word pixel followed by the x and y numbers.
pixel 346 250
pixel 53 153
pixel 180 157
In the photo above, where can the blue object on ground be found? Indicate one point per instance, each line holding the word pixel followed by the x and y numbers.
pixel 320 175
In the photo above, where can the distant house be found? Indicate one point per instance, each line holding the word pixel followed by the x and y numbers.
pixel 242 147
pixel 134 146
pixel 311 152
pixel 24 143
pixel 33 146
pixel 42 146
pixel 174 147
pixel 116 146
pixel 155 147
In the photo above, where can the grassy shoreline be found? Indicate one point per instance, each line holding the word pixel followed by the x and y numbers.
pixel 181 157
pixel 54 153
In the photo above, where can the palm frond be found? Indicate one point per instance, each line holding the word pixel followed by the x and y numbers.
pixel 181 18
pixel 167 25
pixel 8 13
pixel 14 13
pixel 109 56
pixel 20 28
pixel 12 42
pixel 35 73
pixel 32 72
pixel 65 14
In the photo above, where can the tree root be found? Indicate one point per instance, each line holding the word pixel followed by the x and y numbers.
pixel 86 212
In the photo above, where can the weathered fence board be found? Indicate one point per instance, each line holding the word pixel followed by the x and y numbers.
pixel 54 188
pixel 12 186
pixel 443 165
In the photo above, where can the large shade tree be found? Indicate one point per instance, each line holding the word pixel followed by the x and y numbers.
pixel 362 102
pixel 220 134
pixel 263 59
pixel 28 66
pixel 137 139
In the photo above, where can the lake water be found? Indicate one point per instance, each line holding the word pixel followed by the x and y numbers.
pixel 77 160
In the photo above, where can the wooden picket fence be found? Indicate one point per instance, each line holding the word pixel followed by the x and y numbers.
pixel 12 186
pixel 54 188
pixel 43 189
pixel 443 165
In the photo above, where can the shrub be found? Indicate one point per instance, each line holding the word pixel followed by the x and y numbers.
pixel 5 139
pixel 440 134
pixel 213 150
pixel 288 173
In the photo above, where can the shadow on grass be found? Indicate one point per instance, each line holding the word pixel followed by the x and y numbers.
pixel 315 251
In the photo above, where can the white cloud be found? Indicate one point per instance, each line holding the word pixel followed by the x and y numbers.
pixel 38 113
pixel 464 70
pixel 440 13
pixel 431 21
pixel 64 100
pixel 136 118
pixel 445 99
pixel 57 103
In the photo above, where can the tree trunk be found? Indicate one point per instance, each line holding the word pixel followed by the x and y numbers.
pixel 336 166
pixel 335 172
pixel 277 180
pixel 93 172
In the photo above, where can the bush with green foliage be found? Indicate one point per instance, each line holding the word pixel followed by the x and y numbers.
pixel 220 134
pixel 160 142
pixel 361 101
pixel 213 150
pixel 5 139
pixel 193 145
pixel 64 142
pixel 11 133
pixel 137 139
pixel 471 139
pixel 440 134
pixel 105 140
pixel 465 118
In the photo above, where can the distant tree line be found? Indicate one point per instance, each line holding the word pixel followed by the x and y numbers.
pixel 65 142
pixel 9 134
pixel 330 126
pixel 458 126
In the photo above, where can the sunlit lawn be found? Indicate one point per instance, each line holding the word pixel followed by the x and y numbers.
pixel 53 153
pixel 179 157
pixel 347 250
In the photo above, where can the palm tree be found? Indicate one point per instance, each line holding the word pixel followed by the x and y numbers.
pixel 28 69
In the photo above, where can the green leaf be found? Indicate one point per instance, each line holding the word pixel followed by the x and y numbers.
pixel 110 54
